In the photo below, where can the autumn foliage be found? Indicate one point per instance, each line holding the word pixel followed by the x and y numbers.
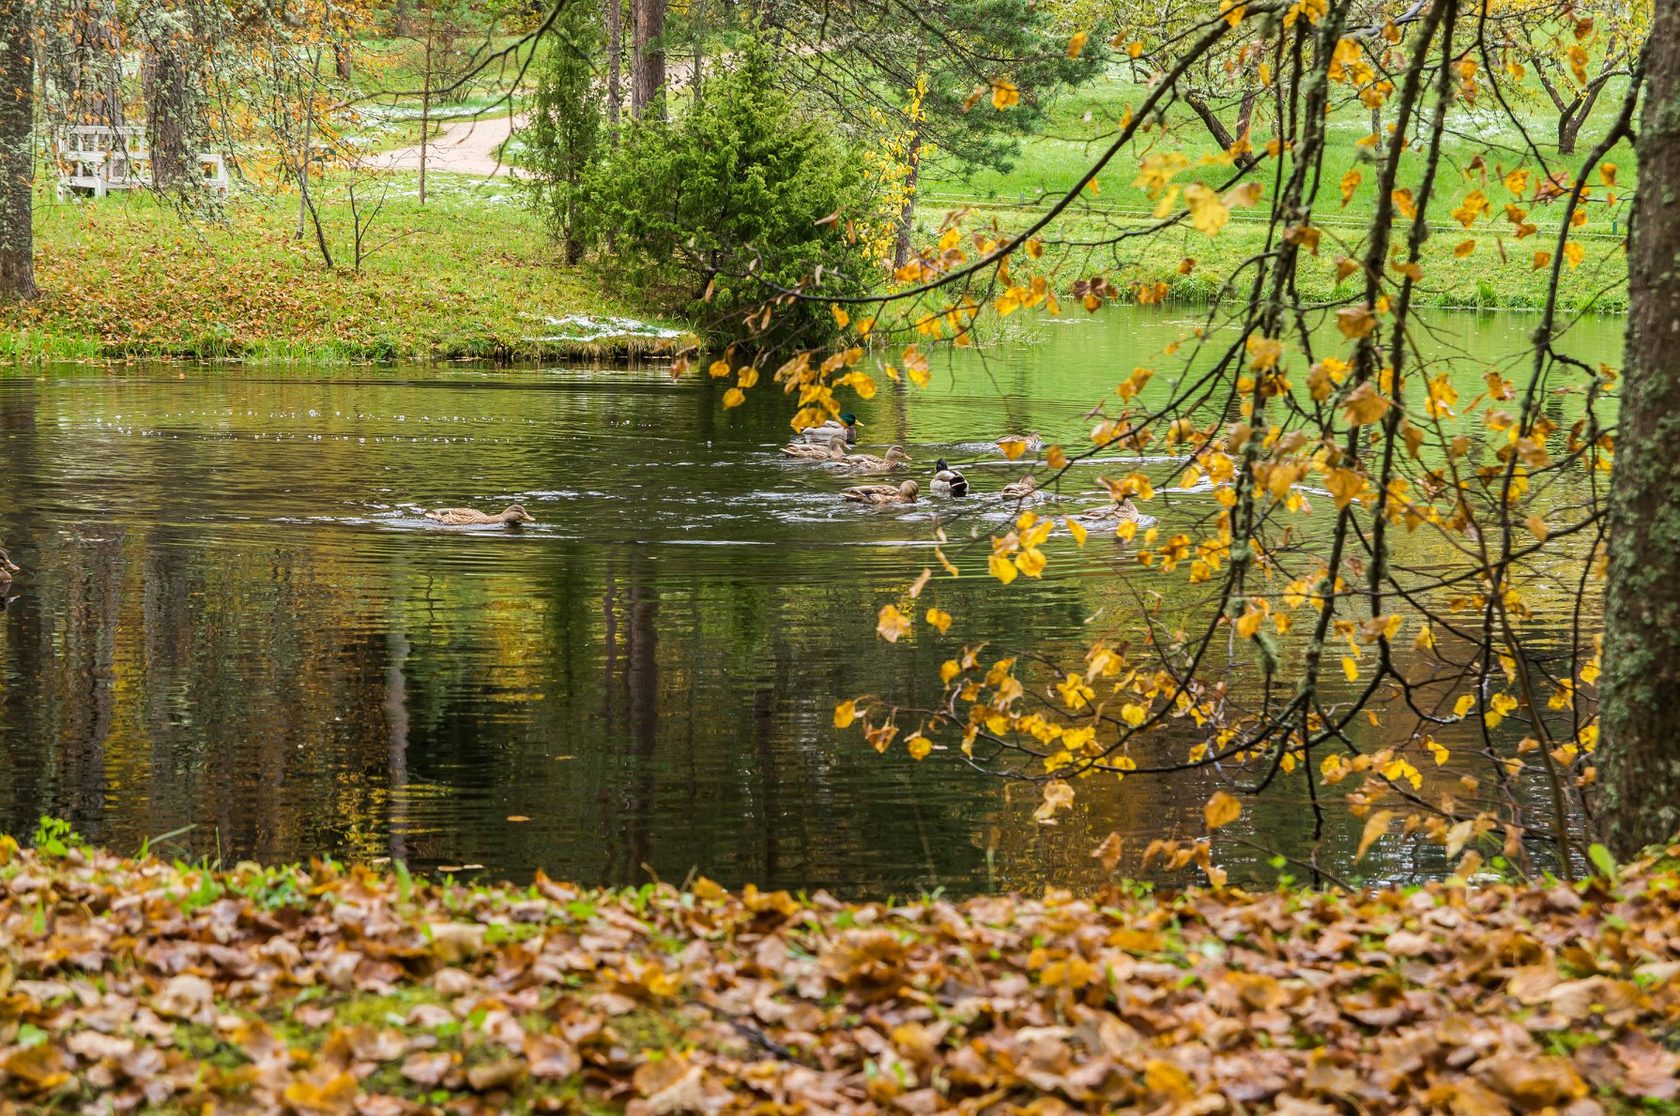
pixel 330 989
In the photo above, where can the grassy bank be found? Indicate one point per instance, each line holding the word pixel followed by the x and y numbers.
pixel 471 274
pixel 337 990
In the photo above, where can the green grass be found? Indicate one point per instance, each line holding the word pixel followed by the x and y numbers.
pixel 1083 122
pixel 471 274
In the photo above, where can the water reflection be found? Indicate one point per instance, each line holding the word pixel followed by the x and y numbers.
pixel 232 617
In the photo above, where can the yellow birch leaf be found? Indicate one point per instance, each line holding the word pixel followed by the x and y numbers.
pixel 1375 827
pixel 1076 44
pixel 1058 795
pixel 891 623
pixel 1465 247
pixel 1221 809
pixel 940 619
pixel 1350 667
pixel 1077 530
pixel 734 397
pixel 844 714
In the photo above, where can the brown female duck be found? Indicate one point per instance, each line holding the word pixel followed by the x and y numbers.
pixel 511 516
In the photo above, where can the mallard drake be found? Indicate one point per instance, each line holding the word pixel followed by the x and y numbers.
pixel 1122 511
pixel 883 493
pixel 868 463
pixel 845 427
pixel 834 450
pixel 511 516
pixel 1022 489
pixel 947 481
pixel 1027 443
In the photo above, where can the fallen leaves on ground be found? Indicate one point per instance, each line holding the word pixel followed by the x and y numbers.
pixel 133 985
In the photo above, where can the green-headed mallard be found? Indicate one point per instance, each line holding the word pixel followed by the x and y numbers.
pixel 1023 489
pixel 868 463
pixel 833 450
pixel 883 493
pixel 947 481
pixel 511 516
pixel 846 427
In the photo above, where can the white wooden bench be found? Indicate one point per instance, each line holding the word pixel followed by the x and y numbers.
pixel 96 159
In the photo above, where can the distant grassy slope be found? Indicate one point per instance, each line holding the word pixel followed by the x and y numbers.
pixel 470 274
pixel 1084 121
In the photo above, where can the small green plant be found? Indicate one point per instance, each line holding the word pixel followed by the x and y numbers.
pixel 56 837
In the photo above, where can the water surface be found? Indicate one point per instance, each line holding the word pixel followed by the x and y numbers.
pixel 234 618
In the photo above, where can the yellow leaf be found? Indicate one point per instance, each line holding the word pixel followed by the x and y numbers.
pixel 1425 639
pixel 919 746
pixel 1133 714
pixel 1608 170
pixel 1572 254
pixel 1031 561
pixel 1375 827
pixel 1012 448
pixel 1077 530
pixel 1541 259
pixel 940 619
pixel 1474 205
pixel 841 318
pixel 1350 183
pixel 1404 203
pixel 1355 321
pixel 844 714
pixel 891 623
pixel 1057 796
pixel 719 369
pixel 1364 405
pixel 1207 213
pixel 1004 94
pixel 948 670
pixel 1249 622
pixel 1537 527
pixel 1350 667
pixel 1134 48
pixel 734 397
pixel 1076 44
pixel 1221 809
pixel 1441 754
pixel 1465 247
pixel 1002 568
pixel 1463 706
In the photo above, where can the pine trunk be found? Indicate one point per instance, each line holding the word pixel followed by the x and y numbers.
pixel 17 152
pixel 1639 758
pixel 647 63
pixel 615 55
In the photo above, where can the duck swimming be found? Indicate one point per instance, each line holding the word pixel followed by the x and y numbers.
pixel 947 481
pixel 1021 489
pixel 7 569
pixel 511 516
pixel 1122 511
pixel 846 427
pixel 833 450
pixel 868 463
pixel 879 494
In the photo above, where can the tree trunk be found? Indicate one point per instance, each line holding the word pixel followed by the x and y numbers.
pixel 171 115
pixel 1569 126
pixel 17 152
pixel 1639 757
pixel 341 60
pixel 647 62
pixel 615 53
pixel 907 214
pixel 426 107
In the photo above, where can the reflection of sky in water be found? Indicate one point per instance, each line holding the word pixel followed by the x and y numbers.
pixel 234 616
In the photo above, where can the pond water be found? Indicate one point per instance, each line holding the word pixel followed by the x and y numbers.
pixel 234 618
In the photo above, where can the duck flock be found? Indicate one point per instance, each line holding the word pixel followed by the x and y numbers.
pixel 831 444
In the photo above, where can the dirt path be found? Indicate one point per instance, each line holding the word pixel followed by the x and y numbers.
pixel 463 147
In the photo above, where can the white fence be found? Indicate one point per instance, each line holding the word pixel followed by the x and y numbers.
pixel 97 159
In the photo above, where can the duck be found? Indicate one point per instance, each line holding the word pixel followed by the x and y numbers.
pixel 833 450
pixel 868 463
pixel 511 516
pixel 947 481
pixel 7 569
pixel 1122 511
pixel 846 427
pixel 1028 443
pixel 879 494
pixel 1023 489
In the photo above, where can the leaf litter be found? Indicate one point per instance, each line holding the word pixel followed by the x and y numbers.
pixel 137 985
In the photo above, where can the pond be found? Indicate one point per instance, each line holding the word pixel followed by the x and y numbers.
pixel 233 618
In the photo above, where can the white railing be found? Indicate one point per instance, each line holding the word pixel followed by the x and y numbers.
pixel 97 159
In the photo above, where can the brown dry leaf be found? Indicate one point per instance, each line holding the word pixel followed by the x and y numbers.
pixel 1375 826
pixel 1058 795
pixel 1221 809
pixel 1108 853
